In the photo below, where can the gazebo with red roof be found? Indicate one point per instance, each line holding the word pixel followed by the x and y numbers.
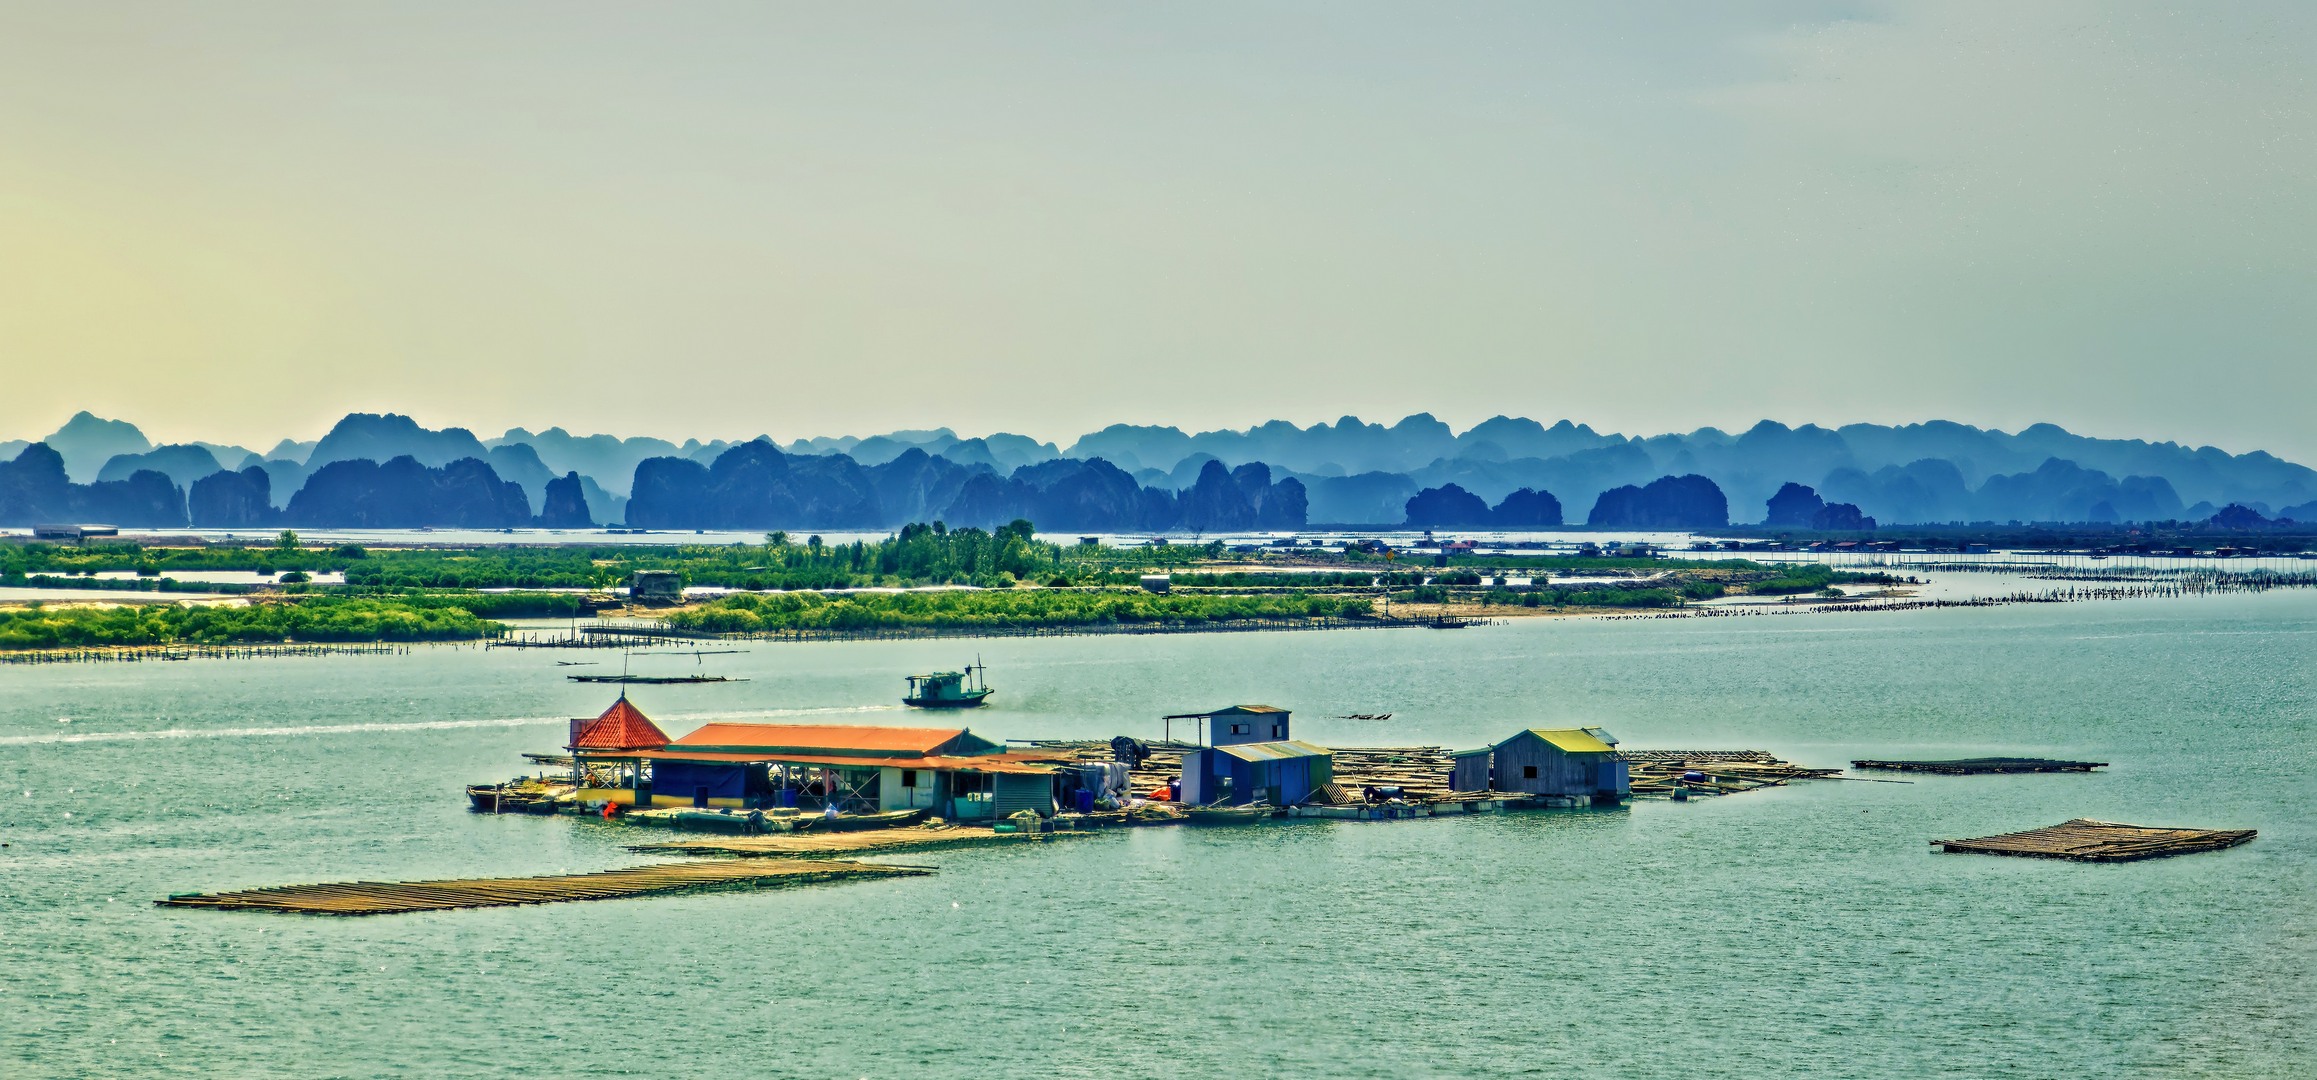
pixel 621 727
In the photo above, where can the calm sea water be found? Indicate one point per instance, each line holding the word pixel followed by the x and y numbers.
pixel 1807 930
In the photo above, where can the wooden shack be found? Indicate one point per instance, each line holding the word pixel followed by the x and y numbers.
pixel 1278 773
pixel 1468 769
pixel 1571 763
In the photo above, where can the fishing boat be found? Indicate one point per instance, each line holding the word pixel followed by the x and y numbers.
pixel 949 689
pixel 1228 815
pixel 521 797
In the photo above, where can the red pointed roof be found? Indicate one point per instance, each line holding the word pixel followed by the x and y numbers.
pixel 621 727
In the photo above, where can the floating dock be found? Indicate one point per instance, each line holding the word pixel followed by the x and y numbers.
pixel 1981 766
pixel 1716 772
pixel 397 897
pixel 2086 840
pixel 815 845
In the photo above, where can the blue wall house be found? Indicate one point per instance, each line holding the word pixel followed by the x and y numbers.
pixel 1242 724
pixel 1279 773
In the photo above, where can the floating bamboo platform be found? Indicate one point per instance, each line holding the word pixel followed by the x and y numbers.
pixel 1981 766
pixel 2086 840
pixel 821 845
pixel 1726 772
pixel 397 897
pixel 652 680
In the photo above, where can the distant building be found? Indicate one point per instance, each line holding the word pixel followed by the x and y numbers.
pixel 1157 583
pixel 656 587
pixel 73 533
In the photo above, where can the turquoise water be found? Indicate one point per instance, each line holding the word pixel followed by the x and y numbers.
pixel 1801 930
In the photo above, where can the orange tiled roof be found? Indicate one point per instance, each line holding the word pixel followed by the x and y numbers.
pixel 834 738
pixel 621 727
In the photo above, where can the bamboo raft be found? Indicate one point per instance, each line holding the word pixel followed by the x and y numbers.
pixel 820 845
pixel 1981 766
pixel 397 897
pixel 2086 840
pixel 1726 772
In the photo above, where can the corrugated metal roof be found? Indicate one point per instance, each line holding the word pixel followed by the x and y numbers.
pixel 1571 740
pixel 1274 751
pixel 621 727
pixel 1469 753
pixel 990 763
pixel 860 740
pixel 1228 710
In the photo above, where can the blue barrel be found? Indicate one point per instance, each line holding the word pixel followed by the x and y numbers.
pixel 1085 801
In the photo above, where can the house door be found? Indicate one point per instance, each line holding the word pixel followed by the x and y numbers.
pixel 700 797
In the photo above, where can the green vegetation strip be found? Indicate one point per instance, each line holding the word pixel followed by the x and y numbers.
pixel 964 609
pixel 310 619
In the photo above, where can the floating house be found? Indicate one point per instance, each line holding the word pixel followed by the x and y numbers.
pixel 1559 763
pixel 950 772
pixel 1278 773
pixel 1242 724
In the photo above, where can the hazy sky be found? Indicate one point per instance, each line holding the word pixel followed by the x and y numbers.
pixel 236 221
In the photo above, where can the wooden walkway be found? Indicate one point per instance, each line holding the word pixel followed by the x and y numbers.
pixel 1981 766
pixel 822 845
pixel 396 897
pixel 2086 840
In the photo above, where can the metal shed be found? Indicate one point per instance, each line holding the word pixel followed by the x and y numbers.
pixel 1470 769
pixel 1279 773
pixel 1558 761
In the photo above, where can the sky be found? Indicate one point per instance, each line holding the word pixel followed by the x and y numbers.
pixel 237 221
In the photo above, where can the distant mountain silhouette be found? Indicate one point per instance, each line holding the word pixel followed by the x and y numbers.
pixel 404 493
pixel 1348 472
pixel 1668 502
pixel 35 489
pixel 181 463
pixel 379 437
pixel 87 442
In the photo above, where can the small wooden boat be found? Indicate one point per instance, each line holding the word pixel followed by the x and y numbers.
pixel 1228 815
pixel 949 689
pixel 506 799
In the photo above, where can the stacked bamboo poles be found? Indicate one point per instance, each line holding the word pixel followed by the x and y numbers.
pixel 395 897
pixel 2087 840
pixel 1726 772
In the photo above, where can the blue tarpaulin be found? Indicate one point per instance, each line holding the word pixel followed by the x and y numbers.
pixel 684 779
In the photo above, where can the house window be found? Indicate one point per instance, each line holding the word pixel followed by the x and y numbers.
pixel 908 778
pixel 1278 731
pixel 1528 772
pixel 1239 729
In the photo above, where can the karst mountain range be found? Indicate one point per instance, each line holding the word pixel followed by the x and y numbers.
pixel 375 470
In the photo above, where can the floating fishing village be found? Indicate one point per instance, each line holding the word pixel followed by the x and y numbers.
pixel 746 805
